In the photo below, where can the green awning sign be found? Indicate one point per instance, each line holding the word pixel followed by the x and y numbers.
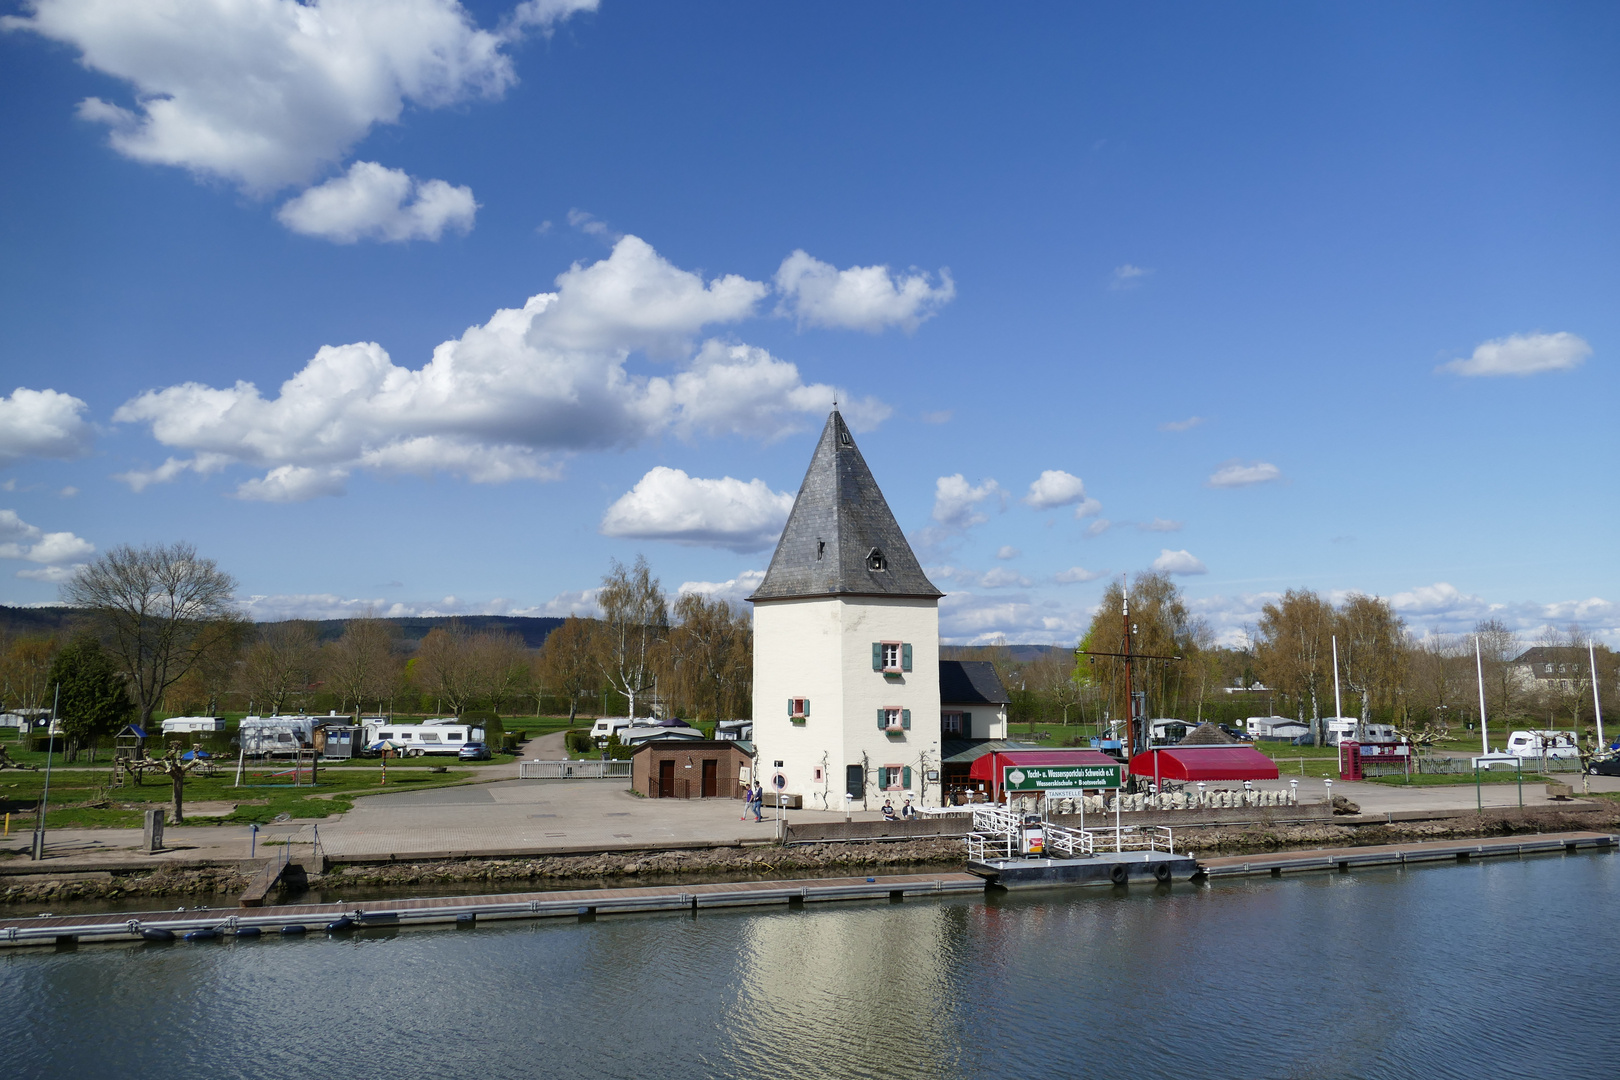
pixel 1063 781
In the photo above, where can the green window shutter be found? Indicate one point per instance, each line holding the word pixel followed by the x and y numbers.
pixel 877 656
pixel 905 719
pixel 790 706
pixel 881 724
pixel 905 777
pixel 905 658
pixel 967 725
pixel 806 707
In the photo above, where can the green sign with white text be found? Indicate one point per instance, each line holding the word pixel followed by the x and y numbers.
pixel 1066 781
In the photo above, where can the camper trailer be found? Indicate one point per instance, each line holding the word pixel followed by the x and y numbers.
pixel 444 735
pixel 1276 727
pixel 1543 744
pixel 609 726
pixel 277 736
pixel 186 725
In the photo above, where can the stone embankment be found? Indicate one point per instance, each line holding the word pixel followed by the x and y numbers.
pixel 1252 839
pixel 754 862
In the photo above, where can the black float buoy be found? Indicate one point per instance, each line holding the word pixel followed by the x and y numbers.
pixel 157 933
pixel 248 931
pixel 294 930
pixel 202 935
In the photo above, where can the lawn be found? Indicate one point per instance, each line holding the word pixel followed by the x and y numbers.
pixel 84 800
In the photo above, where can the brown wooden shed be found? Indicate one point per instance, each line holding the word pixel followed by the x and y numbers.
pixel 691 769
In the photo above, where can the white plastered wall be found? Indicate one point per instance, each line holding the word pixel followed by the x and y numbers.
pixel 985 721
pixel 822 650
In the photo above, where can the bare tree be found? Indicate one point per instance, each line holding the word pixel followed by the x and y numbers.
pixel 1293 650
pixel 1372 653
pixel 361 665
pixel 1439 681
pixel 25 666
pixel 711 649
pixel 1498 648
pixel 500 667
pixel 280 666
pixel 1161 626
pixel 635 620
pixel 218 670
pixel 568 661
pixel 154 606
pixel 1053 677
pixel 444 666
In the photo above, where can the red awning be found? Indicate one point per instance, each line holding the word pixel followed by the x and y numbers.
pixel 1205 763
pixel 988 767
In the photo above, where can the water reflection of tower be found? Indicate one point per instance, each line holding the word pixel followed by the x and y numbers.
pixel 823 990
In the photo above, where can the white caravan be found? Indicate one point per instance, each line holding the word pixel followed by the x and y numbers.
pixel 1535 745
pixel 177 725
pixel 441 735
pixel 609 726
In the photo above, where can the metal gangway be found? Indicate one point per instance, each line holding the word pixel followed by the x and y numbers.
pixel 996 830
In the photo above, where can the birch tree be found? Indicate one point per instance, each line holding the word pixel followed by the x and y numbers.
pixel 635 621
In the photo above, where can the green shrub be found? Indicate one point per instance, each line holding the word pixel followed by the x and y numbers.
pixel 579 742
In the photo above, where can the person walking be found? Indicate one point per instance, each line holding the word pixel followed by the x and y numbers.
pixel 759 800
pixel 748 802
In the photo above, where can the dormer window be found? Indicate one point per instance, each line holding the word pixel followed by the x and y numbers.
pixel 875 560
pixel 821 548
pixel 843 436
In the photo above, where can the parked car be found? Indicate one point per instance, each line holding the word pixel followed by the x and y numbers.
pixel 1609 766
pixel 474 751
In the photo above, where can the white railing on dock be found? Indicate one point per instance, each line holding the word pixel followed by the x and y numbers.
pixel 573 770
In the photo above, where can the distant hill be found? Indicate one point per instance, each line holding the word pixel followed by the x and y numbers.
pixel 62 620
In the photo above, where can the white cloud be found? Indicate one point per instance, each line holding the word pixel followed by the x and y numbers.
pixel 1007 551
pixel 737 590
pixel 1128 276
pixel 280 606
pixel 943 416
pixel 1523 354
pixel 667 504
pixel 1181 425
pixel 267 93
pixel 42 423
pixel 543 15
pixel 1178 562
pixel 1160 525
pixel 68 492
pixel 968 618
pixel 370 202
pixel 507 398
pixel 1076 574
pixel 1054 488
pixel 861 298
pixel 589 224
pixel 59 553
pixel 956 502
pixel 1003 577
pixel 1233 474
pixel 1098 527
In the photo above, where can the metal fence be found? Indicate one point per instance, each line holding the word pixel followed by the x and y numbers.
pixel 573 770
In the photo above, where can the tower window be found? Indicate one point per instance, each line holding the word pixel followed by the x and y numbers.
pixel 821 548
pixel 875 560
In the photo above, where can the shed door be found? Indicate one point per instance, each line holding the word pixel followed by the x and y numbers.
pixel 711 778
pixel 666 779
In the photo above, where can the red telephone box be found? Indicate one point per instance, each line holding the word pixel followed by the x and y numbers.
pixel 1349 760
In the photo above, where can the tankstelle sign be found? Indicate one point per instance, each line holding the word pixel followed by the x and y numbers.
pixel 1063 781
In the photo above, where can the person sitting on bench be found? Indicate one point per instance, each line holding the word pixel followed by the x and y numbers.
pixel 888 811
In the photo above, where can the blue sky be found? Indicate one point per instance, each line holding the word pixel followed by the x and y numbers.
pixel 1269 295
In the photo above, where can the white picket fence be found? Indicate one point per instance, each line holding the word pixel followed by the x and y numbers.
pixel 573 770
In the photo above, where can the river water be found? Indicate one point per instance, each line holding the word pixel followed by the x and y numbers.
pixel 1498 968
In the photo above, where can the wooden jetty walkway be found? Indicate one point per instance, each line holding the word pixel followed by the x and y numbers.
pixel 1348 858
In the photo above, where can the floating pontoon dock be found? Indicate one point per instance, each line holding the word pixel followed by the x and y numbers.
pixel 1349 858
pixel 293 919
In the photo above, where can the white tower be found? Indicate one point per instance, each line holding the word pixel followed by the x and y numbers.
pixel 846 646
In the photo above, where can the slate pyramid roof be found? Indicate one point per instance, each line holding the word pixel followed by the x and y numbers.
pixel 841 539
